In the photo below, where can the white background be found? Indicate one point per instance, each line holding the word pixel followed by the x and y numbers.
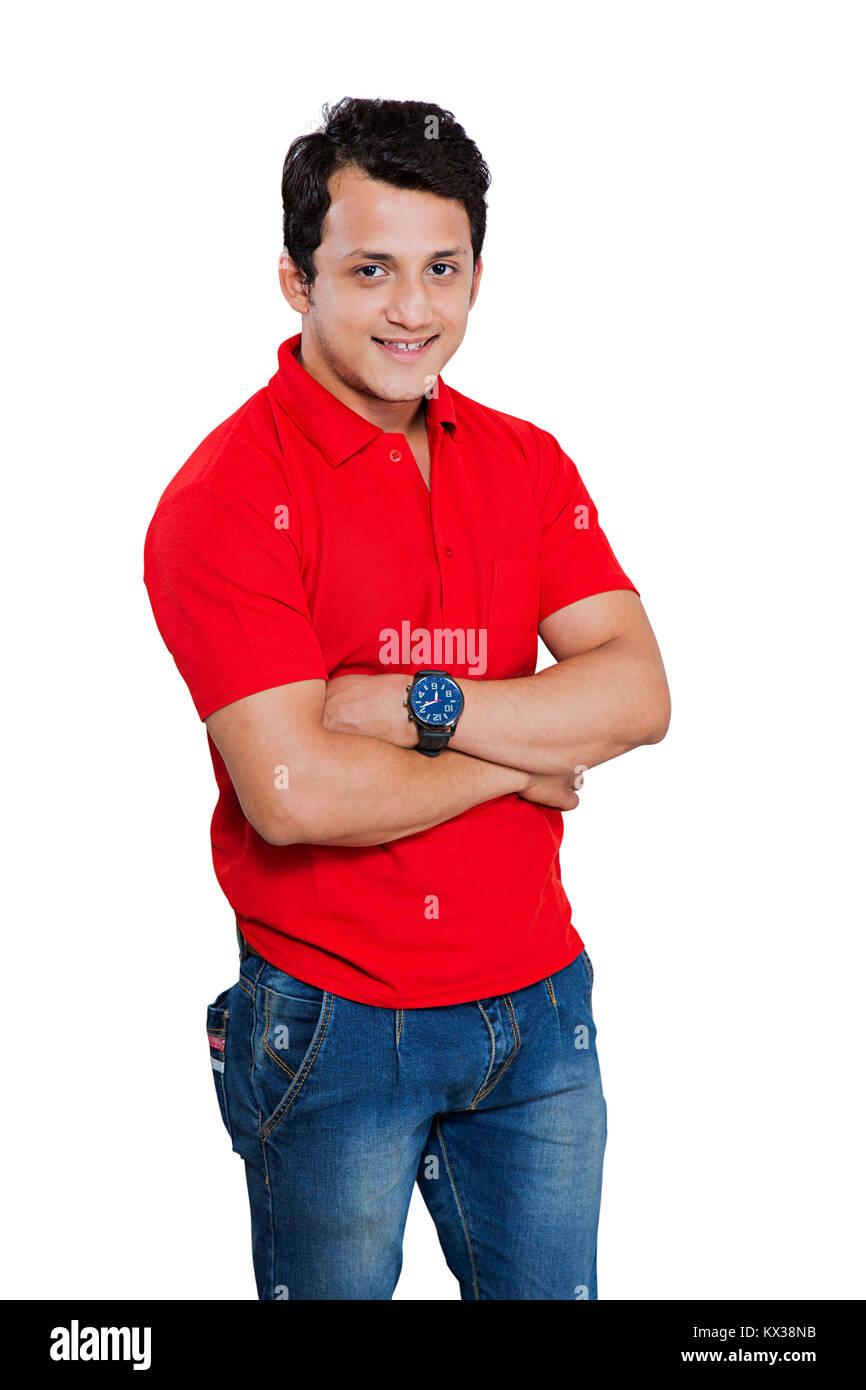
pixel 674 286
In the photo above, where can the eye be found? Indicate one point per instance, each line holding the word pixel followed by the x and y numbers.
pixel 442 269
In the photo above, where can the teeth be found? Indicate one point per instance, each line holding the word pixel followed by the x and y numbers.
pixel 405 347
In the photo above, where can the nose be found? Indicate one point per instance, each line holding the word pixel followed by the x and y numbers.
pixel 410 307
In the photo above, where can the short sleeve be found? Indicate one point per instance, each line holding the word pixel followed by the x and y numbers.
pixel 576 557
pixel 225 586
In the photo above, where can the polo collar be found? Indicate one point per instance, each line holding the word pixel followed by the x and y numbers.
pixel 329 423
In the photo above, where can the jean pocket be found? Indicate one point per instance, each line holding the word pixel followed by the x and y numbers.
pixel 291 1030
pixel 217 1037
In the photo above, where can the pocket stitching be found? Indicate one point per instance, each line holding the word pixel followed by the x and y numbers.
pixel 294 1090
pixel 499 563
pixel 269 993
pixel 493 586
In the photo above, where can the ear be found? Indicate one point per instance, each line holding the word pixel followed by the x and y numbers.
pixel 292 284
pixel 476 281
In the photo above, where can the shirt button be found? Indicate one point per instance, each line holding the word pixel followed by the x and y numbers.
pixel 395 456
pixel 448 551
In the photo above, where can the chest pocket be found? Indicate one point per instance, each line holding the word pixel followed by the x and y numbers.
pixel 513 622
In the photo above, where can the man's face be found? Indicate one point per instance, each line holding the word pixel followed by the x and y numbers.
pixel 394 265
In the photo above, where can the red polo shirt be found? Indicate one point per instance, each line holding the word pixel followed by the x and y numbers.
pixel 300 541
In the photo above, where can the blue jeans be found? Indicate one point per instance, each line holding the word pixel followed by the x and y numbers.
pixel 494 1107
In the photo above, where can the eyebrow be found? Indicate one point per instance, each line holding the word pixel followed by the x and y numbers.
pixel 386 256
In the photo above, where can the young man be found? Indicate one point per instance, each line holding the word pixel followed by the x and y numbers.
pixel 351 573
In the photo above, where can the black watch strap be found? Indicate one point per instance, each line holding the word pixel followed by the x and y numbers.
pixel 432 743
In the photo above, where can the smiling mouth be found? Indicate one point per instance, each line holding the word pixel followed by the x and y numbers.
pixel 405 347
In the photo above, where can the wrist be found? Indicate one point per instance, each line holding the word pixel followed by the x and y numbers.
pixel 518 780
pixel 405 733
pixel 433 703
pixel 507 778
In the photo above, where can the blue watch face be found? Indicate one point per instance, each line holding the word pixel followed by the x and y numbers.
pixel 436 700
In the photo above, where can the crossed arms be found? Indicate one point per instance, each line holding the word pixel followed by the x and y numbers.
pixel 333 763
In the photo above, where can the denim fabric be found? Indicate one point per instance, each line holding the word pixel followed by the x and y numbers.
pixel 494 1107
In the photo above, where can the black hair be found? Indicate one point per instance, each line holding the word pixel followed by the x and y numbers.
pixel 410 144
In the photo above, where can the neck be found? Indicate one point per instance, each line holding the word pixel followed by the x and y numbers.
pixel 394 417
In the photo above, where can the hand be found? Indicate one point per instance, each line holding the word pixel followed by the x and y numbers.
pixel 556 789
pixel 370 705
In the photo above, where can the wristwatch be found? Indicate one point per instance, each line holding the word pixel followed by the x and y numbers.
pixel 434 702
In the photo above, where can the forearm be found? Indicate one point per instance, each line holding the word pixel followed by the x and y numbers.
pixel 353 790
pixel 585 709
